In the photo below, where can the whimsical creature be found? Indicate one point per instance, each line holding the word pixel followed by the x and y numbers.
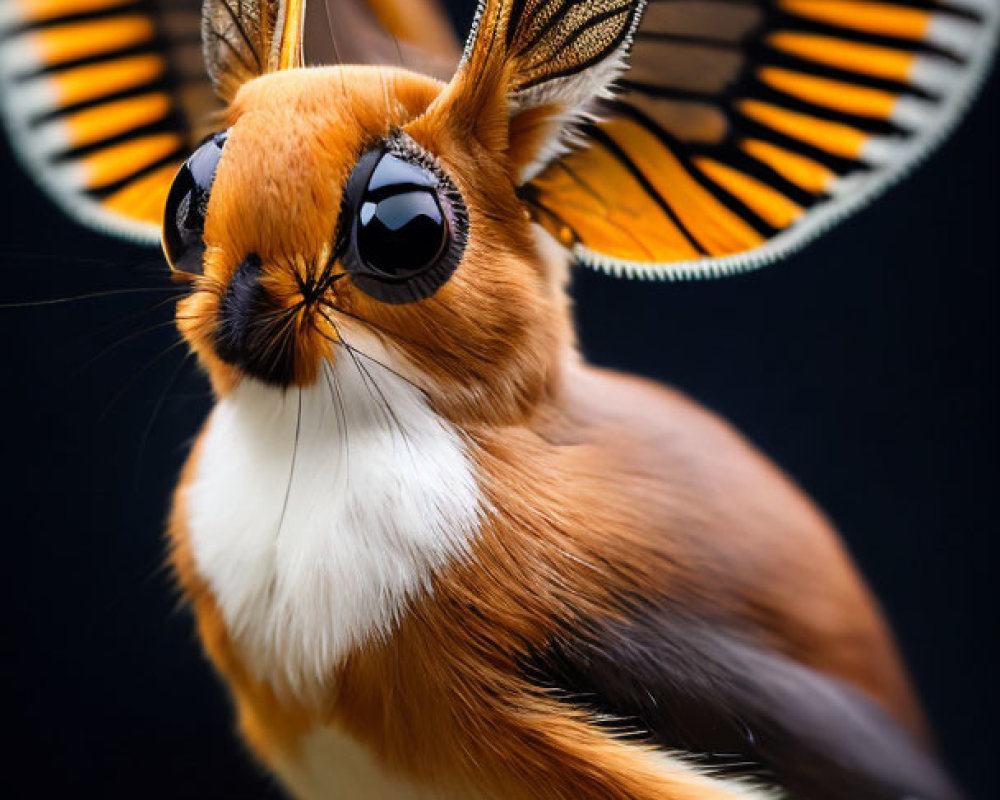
pixel 432 552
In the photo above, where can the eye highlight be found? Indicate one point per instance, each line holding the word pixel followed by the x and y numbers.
pixel 401 233
pixel 184 216
pixel 404 224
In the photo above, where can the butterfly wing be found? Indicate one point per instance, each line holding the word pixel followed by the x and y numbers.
pixel 104 99
pixel 744 128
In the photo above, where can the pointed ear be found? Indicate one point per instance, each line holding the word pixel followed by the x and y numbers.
pixel 532 68
pixel 242 39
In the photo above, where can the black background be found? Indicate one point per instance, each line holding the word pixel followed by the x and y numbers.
pixel 866 366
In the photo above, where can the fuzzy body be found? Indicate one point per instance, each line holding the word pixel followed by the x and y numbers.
pixel 455 561
pixel 493 571
pixel 438 700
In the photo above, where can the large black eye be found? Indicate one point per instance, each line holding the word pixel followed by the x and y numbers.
pixel 184 218
pixel 403 224
pixel 401 234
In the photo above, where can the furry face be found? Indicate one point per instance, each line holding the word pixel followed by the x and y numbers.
pixel 484 344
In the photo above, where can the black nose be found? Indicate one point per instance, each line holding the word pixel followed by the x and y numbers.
pixel 253 334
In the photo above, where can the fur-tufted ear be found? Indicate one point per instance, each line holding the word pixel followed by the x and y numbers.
pixel 545 62
pixel 251 38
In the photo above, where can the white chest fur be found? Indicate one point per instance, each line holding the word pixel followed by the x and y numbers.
pixel 316 514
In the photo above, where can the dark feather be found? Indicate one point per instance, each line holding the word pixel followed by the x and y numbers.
pixel 738 708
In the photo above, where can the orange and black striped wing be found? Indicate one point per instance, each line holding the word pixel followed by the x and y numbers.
pixel 744 128
pixel 103 100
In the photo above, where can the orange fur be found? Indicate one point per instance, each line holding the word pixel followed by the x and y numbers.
pixel 693 515
pixel 699 518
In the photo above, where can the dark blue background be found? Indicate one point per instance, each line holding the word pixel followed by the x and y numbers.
pixel 866 366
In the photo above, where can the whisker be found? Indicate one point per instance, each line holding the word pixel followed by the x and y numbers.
pixel 291 470
pixel 327 281
pixel 366 356
pixel 380 329
pixel 279 342
pixel 399 51
pixel 131 382
pixel 272 342
pixel 132 316
pixel 371 385
pixel 92 296
pixel 393 418
pixel 337 395
pixel 333 35
pixel 156 412
pixel 387 368
pixel 390 414
pixel 129 264
pixel 354 358
pixel 115 345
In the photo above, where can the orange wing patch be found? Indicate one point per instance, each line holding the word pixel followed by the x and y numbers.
pixel 837 95
pixel 810 175
pixel 104 99
pixel 874 61
pixel 886 19
pixel 713 227
pixel 113 119
pixel 753 126
pixel 78 40
pixel 99 99
pixel 835 138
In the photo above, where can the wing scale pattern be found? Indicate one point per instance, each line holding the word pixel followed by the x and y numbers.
pixel 744 128
pixel 102 99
